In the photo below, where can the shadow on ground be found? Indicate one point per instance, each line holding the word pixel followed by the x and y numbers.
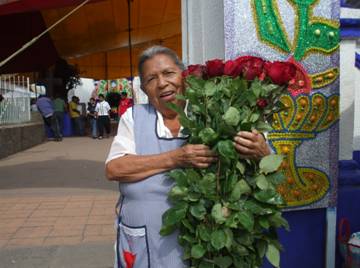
pixel 56 173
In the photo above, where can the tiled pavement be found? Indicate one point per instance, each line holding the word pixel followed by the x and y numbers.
pixel 35 219
pixel 56 207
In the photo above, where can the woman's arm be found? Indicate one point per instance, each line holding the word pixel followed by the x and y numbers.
pixel 132 168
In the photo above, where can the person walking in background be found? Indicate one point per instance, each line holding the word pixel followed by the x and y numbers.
pixel 46 108
pixel 124 103
pixel 91 113
pixel 59 111
pixel 75 116
pixel 102 110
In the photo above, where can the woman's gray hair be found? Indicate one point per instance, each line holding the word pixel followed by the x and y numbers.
pixel 150 52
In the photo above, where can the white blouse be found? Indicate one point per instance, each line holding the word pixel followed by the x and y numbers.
pixel 124 141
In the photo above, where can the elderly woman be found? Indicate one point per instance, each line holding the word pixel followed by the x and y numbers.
pixel 148 144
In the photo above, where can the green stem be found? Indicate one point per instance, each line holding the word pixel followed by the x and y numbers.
pixel 218 178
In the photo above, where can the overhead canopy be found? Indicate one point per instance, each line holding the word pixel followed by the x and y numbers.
pixel 96 36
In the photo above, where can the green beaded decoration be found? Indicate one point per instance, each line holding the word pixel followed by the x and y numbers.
pixel 270 29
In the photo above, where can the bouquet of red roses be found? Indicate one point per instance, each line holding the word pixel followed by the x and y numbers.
pixel 228 214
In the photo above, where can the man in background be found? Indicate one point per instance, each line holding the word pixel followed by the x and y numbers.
pixel 102 110
pixel 46 108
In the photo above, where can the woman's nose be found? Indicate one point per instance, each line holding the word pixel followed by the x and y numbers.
pixel 162 81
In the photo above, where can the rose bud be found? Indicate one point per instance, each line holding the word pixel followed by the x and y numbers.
pixel 195 70
pixel 281 73
pixel 251 67
pixel 232 68
pixel 261 103
pixel 215 68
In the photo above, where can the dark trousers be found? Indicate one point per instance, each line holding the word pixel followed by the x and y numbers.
pixel 103 122
pixel 78 126
pixel 53 124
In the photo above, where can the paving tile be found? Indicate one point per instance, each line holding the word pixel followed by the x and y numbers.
pixel 71 221
pixel 33 232
pixel 24 242
pixel 102 212
pixel 67 231
pixel 40 221
pixel 52 205
pixel 46 213
pixel 25 206
pixel 12 214
pixel 12 222
pixel 75 212
pixel 99 238
pixel 3 242
pixel 63 240
pixel 8 230
pixel 107 219
pixel 95 230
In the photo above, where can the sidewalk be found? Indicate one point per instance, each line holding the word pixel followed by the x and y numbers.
pixel 56 207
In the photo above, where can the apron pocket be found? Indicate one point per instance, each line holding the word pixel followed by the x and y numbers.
pixel 132 246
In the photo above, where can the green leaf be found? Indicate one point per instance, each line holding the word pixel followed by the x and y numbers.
pixel 232 116
pixel 208 135
pixel 210 88
pixel 229 238
pixel 223 261
pixel 273 255
pixel 246 219
pixel 261 246
pixel 167 230
pixel 205 264
pixel 204 233
pixel 217 214
pixel 256 88
pixel 179 176
pixel 254 117
pixel 262 182
pixel 241 167
pixel 187 224
pixel 269 196
pixel 256 208
pixel 278 221
pixel 276 178
pixel 198 211
pixel 178 192
pixel 226 149
pixel 264 223
pixel 241 187
pixel 263 127
pixel 207 185
pixel 174 215
pixel 270 163
pixel 218 239
pixel 197 251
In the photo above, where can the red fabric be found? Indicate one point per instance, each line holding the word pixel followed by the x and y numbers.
pixel 129 259
pixel 124 104
pixel 21 6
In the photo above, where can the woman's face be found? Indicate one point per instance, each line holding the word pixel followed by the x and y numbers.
pixel 162 80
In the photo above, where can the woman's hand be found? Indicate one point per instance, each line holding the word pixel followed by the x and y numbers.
pixel 251 145
pixel 195 155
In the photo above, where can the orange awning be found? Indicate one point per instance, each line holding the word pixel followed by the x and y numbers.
pixel 96 37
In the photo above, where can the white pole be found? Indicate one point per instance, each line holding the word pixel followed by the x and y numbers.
pixel 330 237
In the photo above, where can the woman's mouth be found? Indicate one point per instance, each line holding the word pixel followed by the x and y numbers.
pixel 167 96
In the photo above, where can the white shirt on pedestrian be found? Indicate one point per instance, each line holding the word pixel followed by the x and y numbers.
pixel 102 108
pixel 124 141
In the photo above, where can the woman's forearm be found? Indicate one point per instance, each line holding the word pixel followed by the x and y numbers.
pixel 133 168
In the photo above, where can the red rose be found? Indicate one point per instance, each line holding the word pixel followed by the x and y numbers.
pixel 231 68
pixel 195 70
pixel 261 103
pixel 251 67
pixel 281 73
pixel 215 68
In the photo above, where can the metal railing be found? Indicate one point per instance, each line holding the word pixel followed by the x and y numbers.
pixel 15 103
